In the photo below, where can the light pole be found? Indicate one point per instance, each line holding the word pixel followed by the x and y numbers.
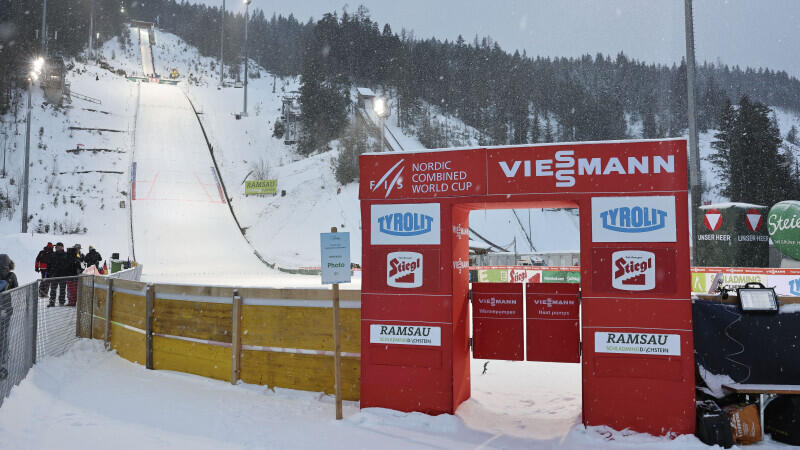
pixel 221 44
pixel 695 177
pixel 91 29
pixel 38 63
pixel 246 19
pixel 381 108
pixel 44 27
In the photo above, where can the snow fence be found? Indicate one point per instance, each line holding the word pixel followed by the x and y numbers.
pixel 281 337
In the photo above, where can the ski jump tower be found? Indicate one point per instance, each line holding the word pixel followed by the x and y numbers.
pixel 147 39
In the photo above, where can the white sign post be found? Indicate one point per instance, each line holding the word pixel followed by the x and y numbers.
pixel 335 251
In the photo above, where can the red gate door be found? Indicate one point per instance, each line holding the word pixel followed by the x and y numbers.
pixel 552 319
pixel 497 323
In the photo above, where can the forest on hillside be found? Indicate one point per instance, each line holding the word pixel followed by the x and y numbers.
pixel 509 98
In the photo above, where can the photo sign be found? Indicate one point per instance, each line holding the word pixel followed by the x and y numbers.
pixel 255 187
pixel 335 257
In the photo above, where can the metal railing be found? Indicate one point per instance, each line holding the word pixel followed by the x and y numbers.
pixel 43 319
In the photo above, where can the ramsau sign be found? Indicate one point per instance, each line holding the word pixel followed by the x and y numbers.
pixel 637 350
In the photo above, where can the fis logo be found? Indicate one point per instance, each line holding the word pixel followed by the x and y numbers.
pixel 633 270
pixel 638 219
pixel 404 269
pixel 396 179
pixel 794 286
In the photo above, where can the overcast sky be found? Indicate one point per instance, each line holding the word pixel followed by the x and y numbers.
pixel 756 33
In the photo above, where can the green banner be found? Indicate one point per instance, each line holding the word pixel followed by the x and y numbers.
pixel 493 276
pixel 557 276
pixel 732 235
pixel 255 187
pixel 783 224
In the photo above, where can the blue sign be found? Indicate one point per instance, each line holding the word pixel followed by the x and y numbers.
pixel 794 287
pixel 405 224
pixel 634 220
pixel 335 252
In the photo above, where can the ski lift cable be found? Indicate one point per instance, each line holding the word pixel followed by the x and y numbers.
pixel 524 232
pixel 471 230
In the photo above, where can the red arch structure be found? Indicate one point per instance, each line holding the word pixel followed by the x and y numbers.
pixel 637 346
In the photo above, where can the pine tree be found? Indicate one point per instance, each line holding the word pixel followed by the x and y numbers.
pixel 748 155
pixel 791 136
pixel 649 130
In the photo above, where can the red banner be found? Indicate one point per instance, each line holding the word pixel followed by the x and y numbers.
pixel 497 321
pixel 455 173
pixel 552 318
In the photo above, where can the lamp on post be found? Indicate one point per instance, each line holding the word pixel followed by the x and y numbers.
pixel 38 64
pixel 246 19
pixel 381 108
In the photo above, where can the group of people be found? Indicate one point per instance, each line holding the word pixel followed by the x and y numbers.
pixel 57 263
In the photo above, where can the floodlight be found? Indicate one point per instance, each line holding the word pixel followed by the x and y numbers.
pixel 37 64
pixel 380 107
pixel 34 76
pixel 756 297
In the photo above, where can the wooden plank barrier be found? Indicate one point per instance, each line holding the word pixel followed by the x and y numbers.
pixel 287 339
pixel 192 330
pixel 128 320
pixel 285 335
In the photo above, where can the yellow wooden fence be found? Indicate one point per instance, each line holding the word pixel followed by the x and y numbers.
pixel 285 335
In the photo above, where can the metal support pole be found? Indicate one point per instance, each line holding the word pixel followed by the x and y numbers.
pixel 27 162
pixel 109 301
pixel 383 138
pixel 91 29
pixel 236 337
pixel 221 45
pixel 695 181
pixel 44 27
pixel 246 19
pixel 148 325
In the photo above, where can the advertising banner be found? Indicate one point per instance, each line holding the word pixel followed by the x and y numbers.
pixel 255 187
pixel 497 321
pixel 783 225
pixel 633 219
pixel 552 312
pixel 733 235
pixel 785 281
pixel 405 224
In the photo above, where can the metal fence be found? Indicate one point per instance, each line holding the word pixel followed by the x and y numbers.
pixel 44 319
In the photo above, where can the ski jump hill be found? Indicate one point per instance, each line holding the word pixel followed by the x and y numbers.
pixel 178 205
pixel 146 40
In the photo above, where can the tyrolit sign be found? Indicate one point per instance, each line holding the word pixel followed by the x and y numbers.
pixel 637 343
pixel 633 219
pixel 409 224
pixel 405 335
pixel 783 224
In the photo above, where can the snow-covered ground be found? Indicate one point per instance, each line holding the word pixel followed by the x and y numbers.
pixel 89 398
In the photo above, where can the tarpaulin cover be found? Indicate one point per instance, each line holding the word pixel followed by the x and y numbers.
pixel 758 348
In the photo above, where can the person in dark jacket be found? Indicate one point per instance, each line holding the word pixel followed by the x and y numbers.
pixel 42 261
pixel 60 266
pixel 9 281
pixel 77 266
pixel 93 258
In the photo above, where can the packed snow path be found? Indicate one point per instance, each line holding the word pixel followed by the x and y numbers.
pixel 147 52
pixel 183 229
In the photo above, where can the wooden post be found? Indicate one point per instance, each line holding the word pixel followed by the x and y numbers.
pixel 109 299
pixel 337 347
pixel 148 325
pixel 236 338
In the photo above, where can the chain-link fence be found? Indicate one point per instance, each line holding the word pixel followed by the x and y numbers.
pixel 45 318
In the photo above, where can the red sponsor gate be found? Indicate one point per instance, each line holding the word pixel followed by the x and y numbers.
pixel 632 198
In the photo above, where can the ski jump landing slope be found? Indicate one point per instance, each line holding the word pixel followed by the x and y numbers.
pixel 147 52
pixel 182 228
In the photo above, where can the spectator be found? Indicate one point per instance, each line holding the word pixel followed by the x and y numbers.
pixel 60 266
pixel 8 280
pixel 76 266
pixel 42 261
pixel 93 258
